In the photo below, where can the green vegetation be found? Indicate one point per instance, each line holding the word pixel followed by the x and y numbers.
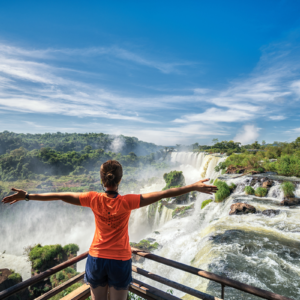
pixel 145 245
pixel 65 142
pixel 180 211
pixel 220 166
pixel 71 249
pixel 288 188
pixel 256 157
pixel 62 276
pixel 261 192
pixel 175 179
pixel 232 186
pixel 249 190
pixel 206 202
pixel 48 256
pixel 223 191
pixel 66 291
pixel 132 296
pixel 15 277
pixel 38 254
pixel 70 162
pixel 227 147
pixel 35 157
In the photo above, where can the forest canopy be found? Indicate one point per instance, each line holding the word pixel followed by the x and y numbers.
pixel 66 142
pixel 24 156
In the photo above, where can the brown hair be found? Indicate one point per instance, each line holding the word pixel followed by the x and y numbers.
pixel 111 173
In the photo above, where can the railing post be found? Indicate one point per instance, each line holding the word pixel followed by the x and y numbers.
pixel 223 291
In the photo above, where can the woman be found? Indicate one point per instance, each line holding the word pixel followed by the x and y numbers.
pixel 109 261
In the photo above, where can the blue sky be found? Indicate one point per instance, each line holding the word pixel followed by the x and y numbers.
pixel 168 72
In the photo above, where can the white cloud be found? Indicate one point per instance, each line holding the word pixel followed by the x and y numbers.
pixel 114 51
pixel 31 82
pixel 277 118
pixel 247 135
pixel 216 115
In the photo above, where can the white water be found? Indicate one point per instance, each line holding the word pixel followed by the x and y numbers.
pixel 256 249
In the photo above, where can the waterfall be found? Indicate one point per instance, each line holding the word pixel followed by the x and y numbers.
pixel 259 250
pixel 256 249
pixel 199 163
pixel 162 217
pixel 138 222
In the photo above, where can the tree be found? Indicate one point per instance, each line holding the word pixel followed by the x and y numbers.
pixel 255 145
pixel 263 142
pixel 215 141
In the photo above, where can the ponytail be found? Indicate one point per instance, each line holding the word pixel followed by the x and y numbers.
pixel 111 173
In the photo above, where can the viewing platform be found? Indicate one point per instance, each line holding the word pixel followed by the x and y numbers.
pixel 140 288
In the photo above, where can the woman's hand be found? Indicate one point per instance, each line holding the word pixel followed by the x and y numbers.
pixel 18 196
pixel 201 187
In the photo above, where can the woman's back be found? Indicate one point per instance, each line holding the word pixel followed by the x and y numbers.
pixel 112 215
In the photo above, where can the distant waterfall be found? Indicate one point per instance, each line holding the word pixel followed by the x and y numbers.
pixel 189 158
pixel 204 163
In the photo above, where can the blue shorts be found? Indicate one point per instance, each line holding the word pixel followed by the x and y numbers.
pixel 111 272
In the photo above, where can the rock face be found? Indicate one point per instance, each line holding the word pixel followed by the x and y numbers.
pixel 241 209
pixel 267 184
pixel 271 212
pixel 7 280
pixel 176 179
pixel 183 211
pixel 290 201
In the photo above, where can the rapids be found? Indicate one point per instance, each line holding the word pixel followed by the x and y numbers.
pixel 255 249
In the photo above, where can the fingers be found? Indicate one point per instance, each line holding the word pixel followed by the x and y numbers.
pixel 204 180
pixel 7 199
pixel 16 190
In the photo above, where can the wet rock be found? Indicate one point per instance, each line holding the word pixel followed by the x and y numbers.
pixel 151 240
pixel 241 209
pixel 271 212
pixel 235 170
pixel 267 184
pixel 137 259
pixel 290 201
pixel 264 179
pixel 183 211
pixel 254 181
pixel 8 279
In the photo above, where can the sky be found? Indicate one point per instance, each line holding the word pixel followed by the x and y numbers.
pixel 167 72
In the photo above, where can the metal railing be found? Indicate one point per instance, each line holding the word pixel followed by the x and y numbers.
pixel 146 291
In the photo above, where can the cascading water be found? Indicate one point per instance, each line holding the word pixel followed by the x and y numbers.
pixel 259 250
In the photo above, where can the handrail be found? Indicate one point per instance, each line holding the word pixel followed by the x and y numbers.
pixel 20 286
pixel 154 292
pixel 208 275
pixel 61 287
pixel 174 284
pixel 224 281
pixel 137 287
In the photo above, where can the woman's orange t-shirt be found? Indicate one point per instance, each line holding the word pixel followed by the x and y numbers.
pixel 111 239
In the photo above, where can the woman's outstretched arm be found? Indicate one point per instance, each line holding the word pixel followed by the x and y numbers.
pixel 72 198
pixel 199 186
